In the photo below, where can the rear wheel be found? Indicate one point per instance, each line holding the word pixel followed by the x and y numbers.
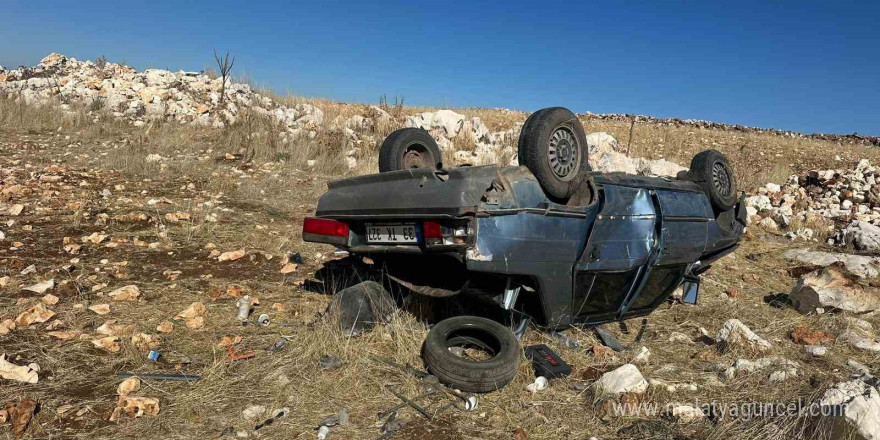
pixel 553 146
pixel 712 171
pixel 409 148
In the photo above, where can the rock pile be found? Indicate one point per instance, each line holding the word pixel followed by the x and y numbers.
pixel 197 98
pixel 697 123
pixel 186 97
pixel 849 197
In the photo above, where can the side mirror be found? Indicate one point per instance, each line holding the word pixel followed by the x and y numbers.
pixel 690 290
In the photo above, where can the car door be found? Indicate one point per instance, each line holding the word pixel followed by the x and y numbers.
pixel 621 240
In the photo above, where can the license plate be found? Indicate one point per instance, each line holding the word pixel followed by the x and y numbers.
pixel 398 233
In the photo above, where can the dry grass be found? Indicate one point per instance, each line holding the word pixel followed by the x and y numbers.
pixel 259 206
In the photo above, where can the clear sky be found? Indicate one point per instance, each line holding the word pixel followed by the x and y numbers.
pixel 807 66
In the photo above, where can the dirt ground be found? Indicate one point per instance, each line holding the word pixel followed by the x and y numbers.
pixel 165 223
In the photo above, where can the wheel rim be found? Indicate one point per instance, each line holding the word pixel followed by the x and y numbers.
pixel 417 156
pixel 721 179
pixel 563 153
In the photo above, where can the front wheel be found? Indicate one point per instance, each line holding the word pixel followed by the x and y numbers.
pixel 553 146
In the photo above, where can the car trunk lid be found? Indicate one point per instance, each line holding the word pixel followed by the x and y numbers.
pixel 415 193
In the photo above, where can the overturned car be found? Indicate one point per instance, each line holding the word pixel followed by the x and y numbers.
pixel 551 240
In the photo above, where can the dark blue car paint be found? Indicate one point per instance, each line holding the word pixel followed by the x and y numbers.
pixel 640 235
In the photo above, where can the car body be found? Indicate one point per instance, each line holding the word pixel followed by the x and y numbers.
pixel 616 249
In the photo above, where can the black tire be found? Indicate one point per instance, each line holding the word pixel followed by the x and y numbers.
pixel 553 146
pixel 360 307
pixel 712 171
pixel 473 376
pixel 409 148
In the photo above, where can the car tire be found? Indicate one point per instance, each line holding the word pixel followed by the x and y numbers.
pixel 712 171
pixel 475 376
pixel 360 307
pixel 553 146
pixel 409 148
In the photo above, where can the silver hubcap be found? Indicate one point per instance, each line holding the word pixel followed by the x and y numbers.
pixel 563 153
pixel 721 179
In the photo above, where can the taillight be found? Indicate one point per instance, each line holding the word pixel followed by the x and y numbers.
pixel 437 234
pixel 433 230
pixel 323 230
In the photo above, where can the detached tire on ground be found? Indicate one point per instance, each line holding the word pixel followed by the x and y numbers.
pixel 475 376
pixel 360 307
pixel 409 148
pixel 553 146
pixel 711 170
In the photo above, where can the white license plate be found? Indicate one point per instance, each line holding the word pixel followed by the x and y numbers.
pixel 398 233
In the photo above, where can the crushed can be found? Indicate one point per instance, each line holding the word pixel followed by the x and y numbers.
pixel 263 320
pixel 154 355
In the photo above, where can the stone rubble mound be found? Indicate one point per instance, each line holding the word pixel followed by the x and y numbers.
pixel 698 123
pixel 197 98
pixel 846 198
pixel 186 97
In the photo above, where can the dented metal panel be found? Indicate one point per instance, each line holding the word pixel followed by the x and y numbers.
pixel 686 216
pixel 623 233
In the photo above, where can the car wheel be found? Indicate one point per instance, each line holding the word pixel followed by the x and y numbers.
pixel 553 146
pixel 409 148
pixel 712 171
pixel 472 354
pixel 360 307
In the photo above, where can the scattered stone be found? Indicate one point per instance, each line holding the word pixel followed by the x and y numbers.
pixel 685 414
pixel 109 343
pixel 19 373
pixel 860 342
pixel 42 287
pixel 860 265
pixel 101 309
pixel 20 415
pixel 328 362
pixel 858 404
pixel 134 407
pixel 230 256
pixel 789 368
pixel 194 315
pixel 253 412
pixel 831 288
pixel 642 356
pixel 49 299
pixel 680 338
pixel 815 350
pixel 125 293
pixel 624 379
pixel 34 315
pixel 128 386
pixel 734 333
pixel 803 335
pixel 165 327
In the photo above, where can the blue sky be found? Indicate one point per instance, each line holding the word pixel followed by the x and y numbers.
pixel 806 66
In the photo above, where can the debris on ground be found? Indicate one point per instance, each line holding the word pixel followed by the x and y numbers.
pixel 194 315
pixel 19 414
pixel 20 373
pixel 34 315
pixel 125 293
pixel 133 407
pixel 328 362
pixel 624 379
pixel 831 289
pixel 736 334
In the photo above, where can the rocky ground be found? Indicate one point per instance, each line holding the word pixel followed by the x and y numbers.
pixel 119 238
